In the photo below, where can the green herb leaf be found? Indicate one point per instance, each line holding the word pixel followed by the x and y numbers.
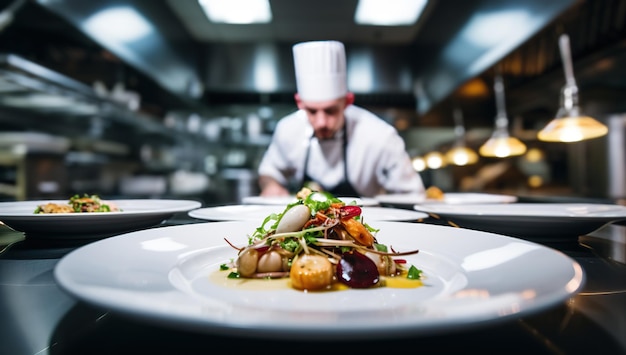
pixel 414 273
pixel 319 201
pixel 380 247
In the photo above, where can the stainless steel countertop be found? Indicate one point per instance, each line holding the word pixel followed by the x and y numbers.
pixel 39 318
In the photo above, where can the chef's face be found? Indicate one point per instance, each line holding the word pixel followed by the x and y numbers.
pixel 326 117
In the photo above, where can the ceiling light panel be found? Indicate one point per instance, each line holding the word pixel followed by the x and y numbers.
pixel 389 12
pixel 240 12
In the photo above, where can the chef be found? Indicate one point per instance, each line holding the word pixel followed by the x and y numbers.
pixel 329 143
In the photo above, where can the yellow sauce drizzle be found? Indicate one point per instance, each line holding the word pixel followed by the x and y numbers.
pixel 220 277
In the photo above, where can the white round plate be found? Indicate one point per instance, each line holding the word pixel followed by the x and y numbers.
pixel 135 214
pixel 537 221
pixel 257 213
pixel 452 198
pixel 163 275
pixel 285 200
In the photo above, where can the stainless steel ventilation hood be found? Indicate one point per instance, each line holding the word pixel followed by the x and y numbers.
pixel 442 56
pixel 478 40
pixel 268 68
pixel 164 52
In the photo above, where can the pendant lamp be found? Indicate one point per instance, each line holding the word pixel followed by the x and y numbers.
pixel 460 154
pixel 570 124
pixel 501 144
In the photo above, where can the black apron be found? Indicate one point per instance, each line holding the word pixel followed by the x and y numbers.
pixel 344 188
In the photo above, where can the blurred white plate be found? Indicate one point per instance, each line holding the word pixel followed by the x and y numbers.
pixel 530 220
pixel 471 278
pixel 451 198
pixel 285 200
pixel 259 212
pixel 135 214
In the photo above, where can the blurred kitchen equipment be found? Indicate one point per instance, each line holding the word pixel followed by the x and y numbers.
pixel 242 182
pixel 616 156
pixel 32 165
pixel 184 182
pixel 143 186
pixel 33 142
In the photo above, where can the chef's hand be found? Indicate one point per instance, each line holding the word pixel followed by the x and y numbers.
pixel 271 187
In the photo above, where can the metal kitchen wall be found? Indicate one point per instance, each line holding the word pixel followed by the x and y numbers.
pixel 268 68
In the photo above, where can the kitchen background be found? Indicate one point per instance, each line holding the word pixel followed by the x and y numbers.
pixel 186 107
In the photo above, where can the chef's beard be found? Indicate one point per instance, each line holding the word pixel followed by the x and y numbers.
pixel 325 134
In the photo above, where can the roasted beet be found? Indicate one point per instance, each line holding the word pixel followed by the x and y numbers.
pixel 357 270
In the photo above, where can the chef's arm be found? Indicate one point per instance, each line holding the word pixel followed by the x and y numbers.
pixel 270 187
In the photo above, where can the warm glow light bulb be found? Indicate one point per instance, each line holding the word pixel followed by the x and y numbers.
pixel 434 160
pixel 534 155
pixel 460 159
pixel 570 134
pixel 502 147
pixel 535 181
pixel 419 164
pixel 502 150
pixel 572 129
pixel 461 156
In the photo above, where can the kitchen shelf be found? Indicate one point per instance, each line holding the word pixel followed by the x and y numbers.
pixel 30 87
pixel 107 138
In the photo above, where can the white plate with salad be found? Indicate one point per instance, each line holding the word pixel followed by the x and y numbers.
pixel 173 276
pixel 133 214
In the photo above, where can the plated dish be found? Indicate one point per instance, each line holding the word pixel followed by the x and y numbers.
pixel 537 221
pixel 164 275
pixel 451 198
pixel 259 212
pixel 135 214
pixel 285 200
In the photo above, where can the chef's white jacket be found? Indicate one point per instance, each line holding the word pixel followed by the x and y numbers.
pixel 377 159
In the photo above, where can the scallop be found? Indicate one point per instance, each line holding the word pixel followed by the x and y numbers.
pixel 271 261
pixel 311 272
pixel 293 219
pixel 247 262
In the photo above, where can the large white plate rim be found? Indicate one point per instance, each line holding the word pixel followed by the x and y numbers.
pixel 449 198
pixel 143 285
pixel 259 212
pixel 535 210
pixel 285 200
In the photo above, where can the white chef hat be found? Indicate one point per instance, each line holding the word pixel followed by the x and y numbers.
pixel 320 70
